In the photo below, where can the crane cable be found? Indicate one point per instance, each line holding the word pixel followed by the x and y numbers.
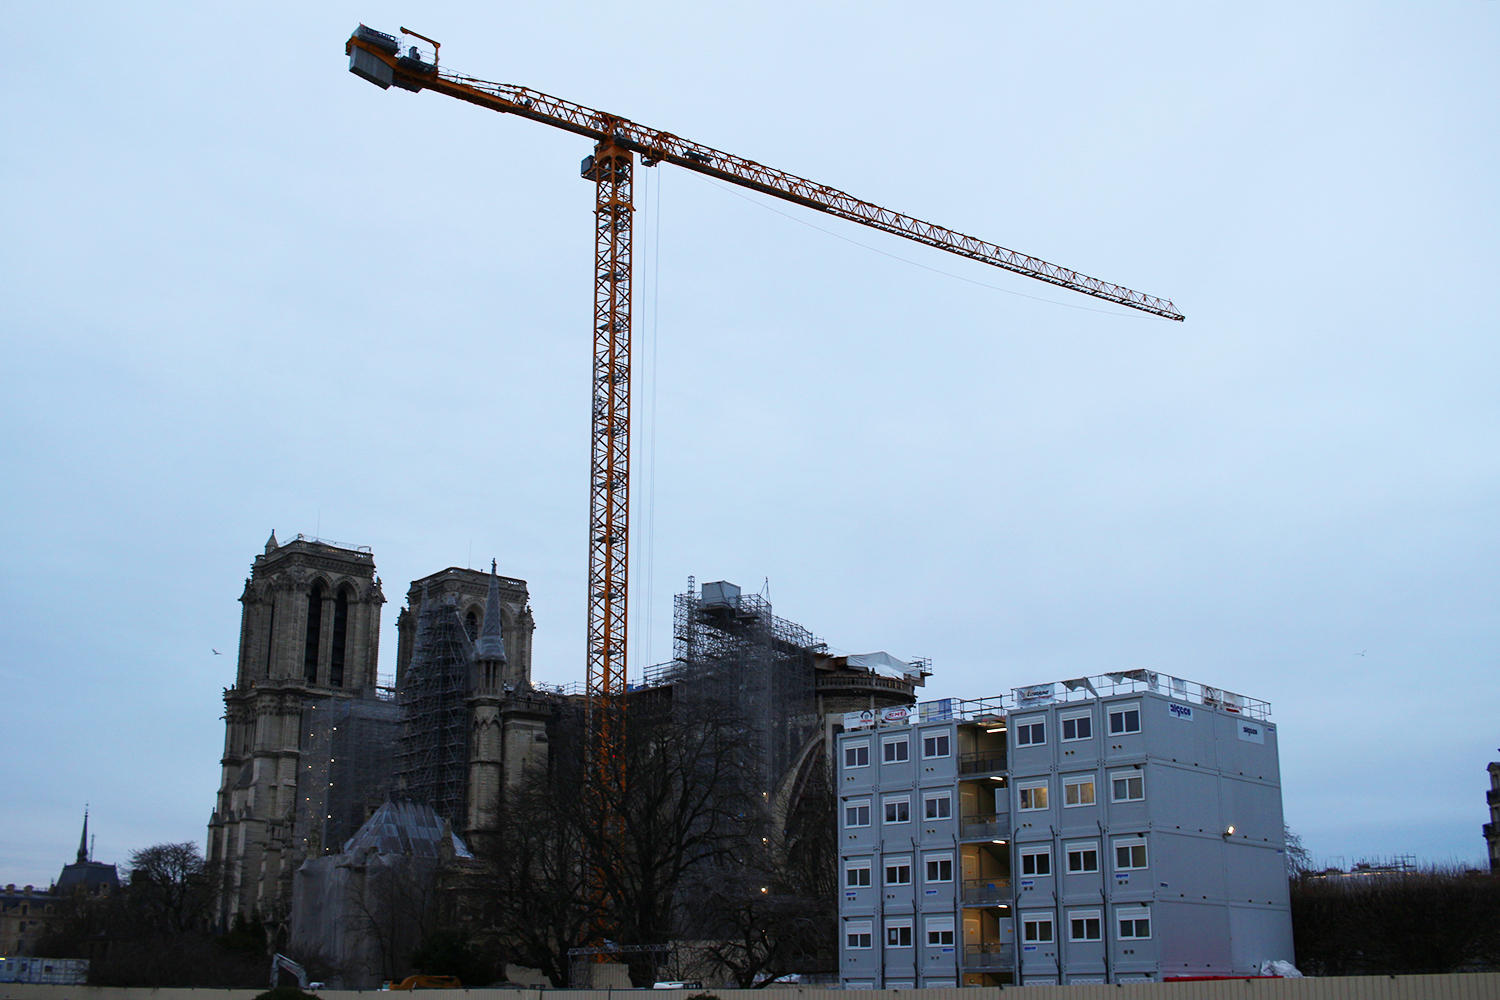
pixel 645 617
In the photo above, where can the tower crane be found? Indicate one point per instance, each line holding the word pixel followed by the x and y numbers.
pixel 379 58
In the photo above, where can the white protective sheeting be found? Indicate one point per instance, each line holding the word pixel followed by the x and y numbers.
pixel 880 663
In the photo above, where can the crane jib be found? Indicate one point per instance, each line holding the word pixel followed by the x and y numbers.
pixel 373 56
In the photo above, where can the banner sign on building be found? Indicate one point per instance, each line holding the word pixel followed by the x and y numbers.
pixel 1037 694
pixel 1177 711
pixel 1252 732
pixel 940 710
pixel 896 715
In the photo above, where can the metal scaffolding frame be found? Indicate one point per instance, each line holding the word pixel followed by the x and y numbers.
pixel 346 767
pixel 432 753
pixel 732 652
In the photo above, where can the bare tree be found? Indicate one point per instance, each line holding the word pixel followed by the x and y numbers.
pixel 170 887
pixel 394 899
pixel 153 932
pixel 1298 860
pixel 688 801
pixel 579 860
pixel 770 909
pixel 531 894
pixel 753 927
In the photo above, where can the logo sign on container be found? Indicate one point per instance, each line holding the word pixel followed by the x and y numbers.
pixel 1177 711
pixel 1252 733
pixel 895 715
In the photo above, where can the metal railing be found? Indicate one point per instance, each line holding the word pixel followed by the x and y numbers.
pixel 1135 682
pixel 865 681
pixel 985 828
pixel 962 709
pixel 982 762
pixel 358 551
pixel 989 955
pixel 986 890
pixel 570 688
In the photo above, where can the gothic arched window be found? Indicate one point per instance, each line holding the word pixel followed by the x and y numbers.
pixel 314 633
pixel 471 624
pixel 270 634
pixel 340 637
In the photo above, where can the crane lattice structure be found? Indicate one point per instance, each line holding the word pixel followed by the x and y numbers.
pixel 378 58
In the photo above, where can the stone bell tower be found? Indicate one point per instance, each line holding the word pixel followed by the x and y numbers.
pixel 309 634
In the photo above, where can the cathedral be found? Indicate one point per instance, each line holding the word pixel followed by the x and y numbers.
pixel 316 740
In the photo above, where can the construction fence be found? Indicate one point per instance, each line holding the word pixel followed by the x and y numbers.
pixel 1476 986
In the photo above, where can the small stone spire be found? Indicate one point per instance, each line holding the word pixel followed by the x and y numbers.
pixel 83 841
pixel 490 645
pixel 271 543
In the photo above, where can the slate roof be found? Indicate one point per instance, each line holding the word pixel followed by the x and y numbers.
pixel 405 828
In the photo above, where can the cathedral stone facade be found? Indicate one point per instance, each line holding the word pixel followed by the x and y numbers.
pixel 314 743
pixel 309 630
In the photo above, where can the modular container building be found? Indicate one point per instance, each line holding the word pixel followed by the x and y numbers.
pixel 1120 828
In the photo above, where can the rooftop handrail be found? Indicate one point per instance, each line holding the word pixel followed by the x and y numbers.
pixel 1089 688
pixel 364 551
pixel 1137 681
pixel 962 709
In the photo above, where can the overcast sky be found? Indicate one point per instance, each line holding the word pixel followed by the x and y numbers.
pixel 245 290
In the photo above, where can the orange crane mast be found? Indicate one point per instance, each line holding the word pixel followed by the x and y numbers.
pixel 378 58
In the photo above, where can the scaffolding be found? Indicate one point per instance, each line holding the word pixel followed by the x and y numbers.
pixel 346 768
pixel 731 653
pixel 432 753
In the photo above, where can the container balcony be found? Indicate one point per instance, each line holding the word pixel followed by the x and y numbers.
pixel 982 762
pixel 993 955
pixel 985 828
pixel 983 891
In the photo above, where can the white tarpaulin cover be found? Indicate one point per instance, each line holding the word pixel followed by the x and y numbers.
pixel 880 663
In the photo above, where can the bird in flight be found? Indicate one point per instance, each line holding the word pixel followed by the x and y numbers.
pixel 1360 653
pixel 217 653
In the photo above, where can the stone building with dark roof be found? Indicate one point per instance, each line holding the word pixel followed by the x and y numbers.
pixel 86 876
pixel 27 913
